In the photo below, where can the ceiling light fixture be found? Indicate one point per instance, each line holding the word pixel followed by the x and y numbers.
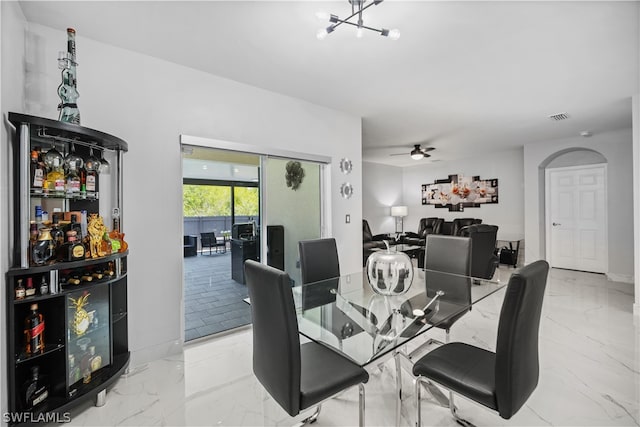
pixel 357 7
pixel 417 153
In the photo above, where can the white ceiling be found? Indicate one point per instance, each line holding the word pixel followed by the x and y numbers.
pixel 464 77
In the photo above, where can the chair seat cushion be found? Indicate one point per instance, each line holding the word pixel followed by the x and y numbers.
pixel 325 373
pixel 463 369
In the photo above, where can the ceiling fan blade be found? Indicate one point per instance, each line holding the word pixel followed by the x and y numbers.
pixel 427 149
pixel 399 154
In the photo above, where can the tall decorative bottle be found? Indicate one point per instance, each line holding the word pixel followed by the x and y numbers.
pixel 68 90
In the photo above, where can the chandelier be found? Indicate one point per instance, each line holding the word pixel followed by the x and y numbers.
pixel 357 9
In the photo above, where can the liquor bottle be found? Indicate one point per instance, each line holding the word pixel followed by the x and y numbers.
pixel 72 250
pixel 91 183
pixel 55 178
pixel 73 182
pixel 30 290
pixel 20 290
pixel 97 274
pixel 44 249
pixel 56 233
pixel 74 370
pixel 74 225
pixel 37 172
pixel 38 214
pixel 35 390
pixel 44 286
pixel 83 183
pixel 68 91
pixel 95 360
pixel 85 365
pixel 34 332
pixel 86 276
pixel 71 279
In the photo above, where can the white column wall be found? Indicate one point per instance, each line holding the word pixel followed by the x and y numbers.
pixel 381 189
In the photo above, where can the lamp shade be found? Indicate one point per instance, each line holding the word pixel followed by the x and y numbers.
pixel 399 211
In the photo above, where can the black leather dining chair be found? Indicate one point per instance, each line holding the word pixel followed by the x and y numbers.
pixel 450 254
pixel 504 380
pixel 319 261
pixel 296 376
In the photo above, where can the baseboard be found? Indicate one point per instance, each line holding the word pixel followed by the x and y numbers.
pixel 623 278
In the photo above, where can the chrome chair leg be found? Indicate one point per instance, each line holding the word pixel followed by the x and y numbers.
pixel 312 418
pixel 454 413
pixel 396 358
pixel 419 381
pixel 361 404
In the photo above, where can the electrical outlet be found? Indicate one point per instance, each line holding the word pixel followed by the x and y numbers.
pixel 347 218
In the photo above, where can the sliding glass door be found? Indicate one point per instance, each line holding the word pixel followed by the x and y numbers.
pixel 292 208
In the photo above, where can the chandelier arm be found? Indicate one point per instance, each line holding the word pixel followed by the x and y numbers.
pixel 340 21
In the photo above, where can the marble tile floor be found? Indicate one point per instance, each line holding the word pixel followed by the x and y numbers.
pixel 589 376
pixel 212 299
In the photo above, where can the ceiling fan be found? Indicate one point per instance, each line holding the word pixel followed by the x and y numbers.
pixel 417 153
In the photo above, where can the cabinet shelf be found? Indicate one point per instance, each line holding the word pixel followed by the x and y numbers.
pixel 67 289
pixel 64 196
pixel 48 349
pixel 18 271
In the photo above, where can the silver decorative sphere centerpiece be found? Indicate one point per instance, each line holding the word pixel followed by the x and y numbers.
pixel 389 272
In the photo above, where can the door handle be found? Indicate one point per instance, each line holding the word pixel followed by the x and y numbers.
pixel 556 224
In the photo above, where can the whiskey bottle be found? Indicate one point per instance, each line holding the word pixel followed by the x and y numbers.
pixel 34 332
pixel 95 360
pixel 44 249
pixel 91 183
pixel 20 290
pixel 35 390
pixel 37 172
pixel 30 290
pixel 44 286
pixel 55 178
pixel 73 182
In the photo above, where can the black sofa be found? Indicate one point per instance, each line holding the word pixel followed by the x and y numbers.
pixel 426 226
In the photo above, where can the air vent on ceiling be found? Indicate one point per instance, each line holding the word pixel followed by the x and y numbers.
pixel 559 116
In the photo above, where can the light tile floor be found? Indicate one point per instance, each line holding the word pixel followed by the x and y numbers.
pixel 589 376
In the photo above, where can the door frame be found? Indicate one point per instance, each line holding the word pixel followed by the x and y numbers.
pixel 547 208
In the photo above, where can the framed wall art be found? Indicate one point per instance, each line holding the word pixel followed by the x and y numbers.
pixel 458 192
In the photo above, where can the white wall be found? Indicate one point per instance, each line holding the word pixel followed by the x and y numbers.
pixel 616 147
pixel 507 214
pixel 149 103
pixel 11 98
pixel 381 189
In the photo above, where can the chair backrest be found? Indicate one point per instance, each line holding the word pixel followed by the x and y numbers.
pixel 483 241
pixel 208 239
pixel 450 254
pixel 276 343
pixel 517 366
pixel 431 225
pixel 458 223
pixel 366 231
pixel 318 259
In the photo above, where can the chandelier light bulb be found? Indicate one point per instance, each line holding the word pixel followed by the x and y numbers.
pixel 394 34
pixel 417 156
pixel 322 15
pixel 322 34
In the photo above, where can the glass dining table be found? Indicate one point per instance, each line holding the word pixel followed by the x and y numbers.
pixel 347 315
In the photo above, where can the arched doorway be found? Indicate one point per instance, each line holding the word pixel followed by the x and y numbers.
pixel 576 207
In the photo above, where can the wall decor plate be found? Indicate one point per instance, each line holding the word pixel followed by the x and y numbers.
pixel 346 166
pixel 346 190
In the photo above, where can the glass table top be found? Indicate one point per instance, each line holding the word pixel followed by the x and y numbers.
pixel 346 314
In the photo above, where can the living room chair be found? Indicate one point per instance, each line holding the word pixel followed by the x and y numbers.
pixel 209 240
pixel 504 380
pixel 459 223
pixel 431 225
pixel 296 376
pixel 484 261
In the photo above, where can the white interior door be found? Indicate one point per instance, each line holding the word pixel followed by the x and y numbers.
pixel 576 218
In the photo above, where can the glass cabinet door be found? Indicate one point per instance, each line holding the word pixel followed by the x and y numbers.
pixel 88 348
